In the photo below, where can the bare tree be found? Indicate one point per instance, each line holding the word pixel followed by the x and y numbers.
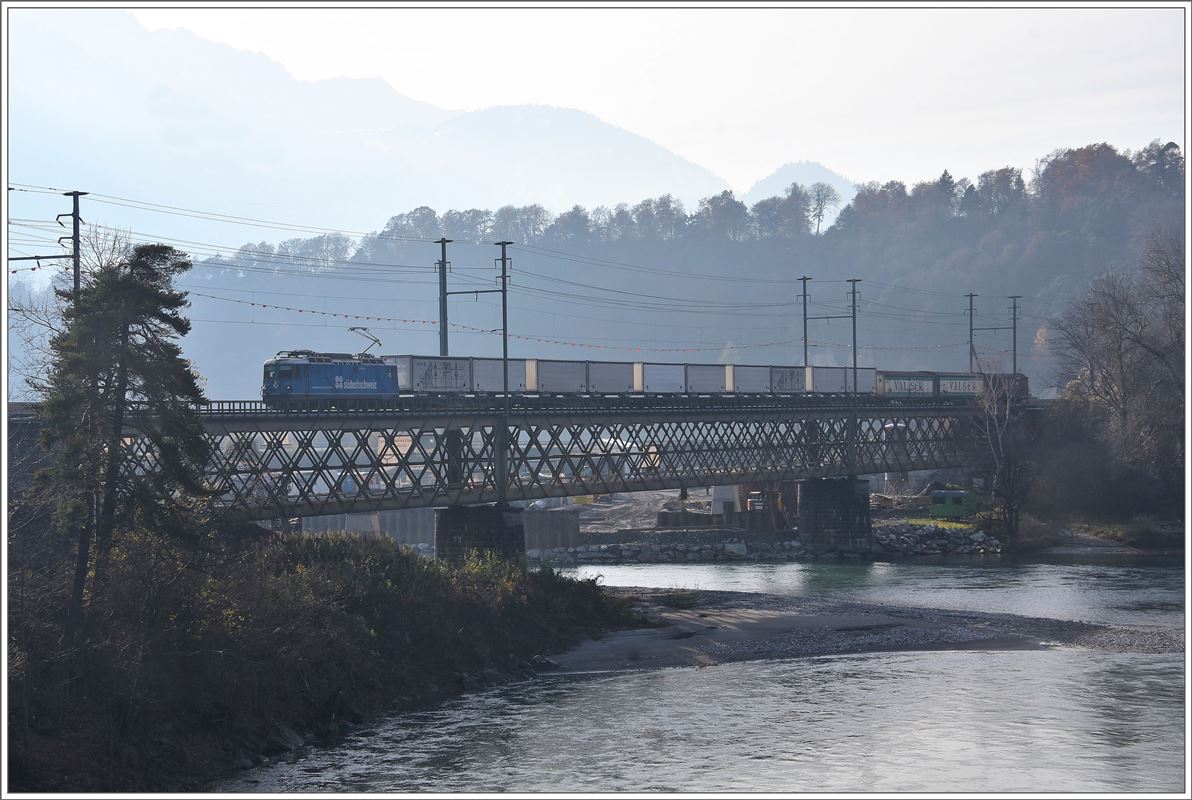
pixel 1121 351
pixel 35 315
pixel 1163 283
pixel 823 199
pixel 1004 427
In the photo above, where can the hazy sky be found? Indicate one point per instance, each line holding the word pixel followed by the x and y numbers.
pixel 874 94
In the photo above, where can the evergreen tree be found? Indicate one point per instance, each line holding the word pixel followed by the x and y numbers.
pixel 118 374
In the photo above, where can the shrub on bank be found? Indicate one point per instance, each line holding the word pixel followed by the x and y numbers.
pixel 199 657
pixel 1144 532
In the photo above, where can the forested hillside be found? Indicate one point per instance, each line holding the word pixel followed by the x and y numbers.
pixel 717 282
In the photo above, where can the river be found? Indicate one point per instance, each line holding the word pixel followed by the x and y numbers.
pixel 995 721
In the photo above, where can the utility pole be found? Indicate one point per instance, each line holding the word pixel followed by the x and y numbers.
pixel 853 292
pixel 75 235
pixel 804 279
pixel 505 318
pixel 1013 326
pixel 503 439
pixel 1014 298
pixel 442 265
pixel 74 238
pixel 970 297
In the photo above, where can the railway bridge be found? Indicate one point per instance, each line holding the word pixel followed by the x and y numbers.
pixel 471 451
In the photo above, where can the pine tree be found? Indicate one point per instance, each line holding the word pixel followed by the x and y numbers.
pixel 117 374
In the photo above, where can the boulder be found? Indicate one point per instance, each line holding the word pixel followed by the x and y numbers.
pixel 281 739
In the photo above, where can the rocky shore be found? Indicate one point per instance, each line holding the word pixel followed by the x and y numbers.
pixel 929 540
pixel 889 541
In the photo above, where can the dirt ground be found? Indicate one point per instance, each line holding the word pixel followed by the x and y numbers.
pixel 634 510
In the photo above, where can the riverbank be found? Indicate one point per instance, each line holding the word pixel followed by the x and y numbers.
pixel 204 660
pixel 800 713
pixel 703 628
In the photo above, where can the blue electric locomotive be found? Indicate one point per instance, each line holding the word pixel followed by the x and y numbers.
pixel 303 377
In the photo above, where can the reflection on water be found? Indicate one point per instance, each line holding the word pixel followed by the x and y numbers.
pixel 1061 720
pixel 1129 593
pixel 943 721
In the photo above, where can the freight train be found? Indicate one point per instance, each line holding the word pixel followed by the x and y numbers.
pixel 296 377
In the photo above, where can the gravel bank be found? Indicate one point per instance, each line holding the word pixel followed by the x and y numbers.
pixel 702 628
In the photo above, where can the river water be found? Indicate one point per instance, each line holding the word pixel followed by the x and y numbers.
pixel 951 721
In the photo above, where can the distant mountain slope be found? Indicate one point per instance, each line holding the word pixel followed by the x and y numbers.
pixel 559 157
pixel 805 173
pixel 170 115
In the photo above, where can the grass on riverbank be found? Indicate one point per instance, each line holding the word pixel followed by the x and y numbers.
pixel 1143 532
pixel 945 524
pixel 202 657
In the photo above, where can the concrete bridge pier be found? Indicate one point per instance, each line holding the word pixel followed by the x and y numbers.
pixel 834 515
pixel 461 529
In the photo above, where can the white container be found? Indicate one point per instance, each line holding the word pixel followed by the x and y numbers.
pixel 963 385
pixel 866 379
pixel 906 384
pixel 788 380
pixel 725 499
pixel 403 372
pixel 664 378
pixel 430 374
pixel 562 377
pixel 706 378
pixel 610 377
pixel 486 375
pixel 826 380
pixel 750 380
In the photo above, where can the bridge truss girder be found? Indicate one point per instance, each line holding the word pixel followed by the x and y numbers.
pixel 290 466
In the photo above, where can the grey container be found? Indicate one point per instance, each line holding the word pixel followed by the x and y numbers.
pixel 431 374
pixel 866 379
pixel 706 378
pixel 826 380
pixel 441 374
pixel 747 379
pixel 788 380
pixel 610 377
pixel 663 378
pixel 486 375
pixel 562 377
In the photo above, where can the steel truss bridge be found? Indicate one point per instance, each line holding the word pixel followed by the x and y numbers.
pixel 268 464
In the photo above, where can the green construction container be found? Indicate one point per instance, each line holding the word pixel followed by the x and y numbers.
pixel 953 504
